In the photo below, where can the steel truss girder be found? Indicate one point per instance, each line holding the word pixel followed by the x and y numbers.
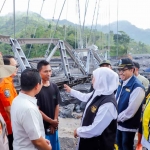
pixel 19 54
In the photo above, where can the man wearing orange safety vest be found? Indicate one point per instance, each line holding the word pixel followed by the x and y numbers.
pixel 7 94
pixel 5 71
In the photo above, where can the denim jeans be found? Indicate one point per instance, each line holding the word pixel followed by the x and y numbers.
pixel 125 140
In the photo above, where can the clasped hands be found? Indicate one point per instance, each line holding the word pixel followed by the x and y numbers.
pixel 54 126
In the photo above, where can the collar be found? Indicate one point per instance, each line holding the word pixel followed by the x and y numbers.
pixel 126 81
pixel 30 98
pixel 10 78
pixel 138 75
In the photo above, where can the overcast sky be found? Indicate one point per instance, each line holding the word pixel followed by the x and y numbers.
pixel 136 12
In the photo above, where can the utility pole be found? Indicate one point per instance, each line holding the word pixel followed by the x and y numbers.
pixel 14 17
pixel 117 30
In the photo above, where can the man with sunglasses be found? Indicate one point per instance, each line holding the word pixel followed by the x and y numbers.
pixel 8 93
pixel 129 96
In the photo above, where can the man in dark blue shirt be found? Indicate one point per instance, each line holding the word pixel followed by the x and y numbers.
pixel 129 96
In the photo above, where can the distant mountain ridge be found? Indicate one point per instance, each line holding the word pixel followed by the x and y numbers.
pixel 6 26
pixel 134 32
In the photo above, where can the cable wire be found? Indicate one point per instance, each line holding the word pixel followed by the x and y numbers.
pixel 92 23
pixel 81 44
pixel 96 22
pixel 14 19
pixel 50 35
pixel 35 29
pixel 27 19
pixel 108 28
pixel 66 19
pixel 54 9
pixel 47 51
pixel 86 6
pixel 117 27
pixel 2 6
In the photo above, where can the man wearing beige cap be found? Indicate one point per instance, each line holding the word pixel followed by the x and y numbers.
pixel 8 93
pixel 5 71
pixel 105 63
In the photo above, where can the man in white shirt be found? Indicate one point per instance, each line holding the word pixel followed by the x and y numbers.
pixel 145 83
pixel 27 123
pixel 144 80
pixel 129 95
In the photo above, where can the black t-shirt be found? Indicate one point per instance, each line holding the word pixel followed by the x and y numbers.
pixel 47 99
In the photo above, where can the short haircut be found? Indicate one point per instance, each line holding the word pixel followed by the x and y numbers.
pixel 29 79
pixel 41 64
pixel 6 59
pixel 136 64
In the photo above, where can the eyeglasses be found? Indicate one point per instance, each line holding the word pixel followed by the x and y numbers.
pixel 122 70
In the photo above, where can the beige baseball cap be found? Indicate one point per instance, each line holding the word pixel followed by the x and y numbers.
pixel 5 70
pixel 105 62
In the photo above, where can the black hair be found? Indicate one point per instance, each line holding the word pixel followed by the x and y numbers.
pixel 104 64
pixel 42 63
pixel 136 64
pixel 29 79
pixel 6 59
pixel 8 56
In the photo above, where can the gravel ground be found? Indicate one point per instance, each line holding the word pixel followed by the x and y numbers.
pixel 68 143
pixel 66 129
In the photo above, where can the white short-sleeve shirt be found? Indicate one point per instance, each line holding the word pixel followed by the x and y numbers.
pixel 27 122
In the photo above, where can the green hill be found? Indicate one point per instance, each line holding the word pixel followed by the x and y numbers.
pixel 22 23
pixel 35 26
pixel 135 33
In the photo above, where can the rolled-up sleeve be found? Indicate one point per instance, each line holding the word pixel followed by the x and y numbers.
pixel 81 96
pixel 30 123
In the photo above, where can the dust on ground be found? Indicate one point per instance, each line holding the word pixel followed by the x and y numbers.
pixel 66 130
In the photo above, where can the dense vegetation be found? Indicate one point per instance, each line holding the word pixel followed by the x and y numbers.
pixel 37 27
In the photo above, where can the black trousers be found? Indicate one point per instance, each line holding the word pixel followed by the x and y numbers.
pixel 10 141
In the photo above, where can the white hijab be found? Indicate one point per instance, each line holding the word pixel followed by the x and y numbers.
pixel 106 81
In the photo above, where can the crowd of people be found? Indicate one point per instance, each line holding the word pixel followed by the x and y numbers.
pixel 117 107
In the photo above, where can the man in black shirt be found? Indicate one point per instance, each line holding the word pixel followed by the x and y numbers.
pixel 47 100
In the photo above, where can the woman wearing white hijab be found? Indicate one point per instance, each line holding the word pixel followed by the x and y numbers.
pixel 99 122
